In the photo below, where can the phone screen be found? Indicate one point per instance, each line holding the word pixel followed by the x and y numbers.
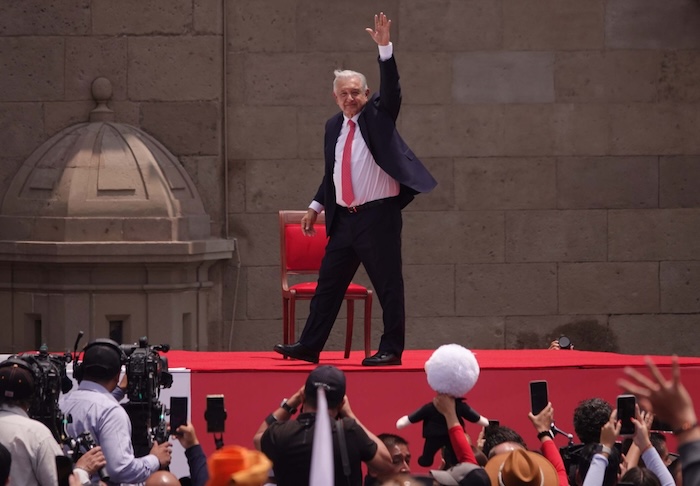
pixel 215 414
pixel 625 412
pixel 64 468
pixel 494 423
pixel 178 413
pixel 538 396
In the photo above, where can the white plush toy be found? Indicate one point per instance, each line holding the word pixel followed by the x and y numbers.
pixel 452 370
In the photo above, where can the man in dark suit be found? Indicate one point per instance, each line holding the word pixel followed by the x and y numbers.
pixel 369 177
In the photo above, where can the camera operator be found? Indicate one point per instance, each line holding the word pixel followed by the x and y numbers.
pixel 93 408
pixel 31 444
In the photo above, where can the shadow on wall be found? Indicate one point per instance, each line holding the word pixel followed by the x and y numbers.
pixel 587 335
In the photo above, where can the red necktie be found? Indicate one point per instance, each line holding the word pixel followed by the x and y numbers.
pixel 345 172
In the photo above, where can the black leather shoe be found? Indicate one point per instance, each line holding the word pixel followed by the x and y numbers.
pixel 297 351
pixel 382 359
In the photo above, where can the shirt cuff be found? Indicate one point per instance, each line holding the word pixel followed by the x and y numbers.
pixel 385 52
pixel 316 206
pixel 83 475
pixel 152 462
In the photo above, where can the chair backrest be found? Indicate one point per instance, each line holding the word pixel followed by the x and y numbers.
pixel 300 254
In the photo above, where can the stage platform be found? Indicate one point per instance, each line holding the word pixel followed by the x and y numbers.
pixel 254 383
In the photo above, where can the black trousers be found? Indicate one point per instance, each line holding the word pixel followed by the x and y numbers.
pixel 372 237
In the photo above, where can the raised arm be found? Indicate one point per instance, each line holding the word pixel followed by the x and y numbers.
pixel 380 33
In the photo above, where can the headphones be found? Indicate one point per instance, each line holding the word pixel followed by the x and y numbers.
pixel 107 343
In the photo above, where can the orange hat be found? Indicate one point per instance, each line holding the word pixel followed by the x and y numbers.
pixel 238 465
pixel 521 468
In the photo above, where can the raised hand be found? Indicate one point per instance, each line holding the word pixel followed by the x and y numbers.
pixel 380 34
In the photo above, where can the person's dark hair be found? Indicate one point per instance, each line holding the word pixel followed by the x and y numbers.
pixel 590 415
pixel 676 469
pixel 5 464
pixel 640 476
pixel 498 434
pixel 586 455
pixel 658 440
pixel 391 440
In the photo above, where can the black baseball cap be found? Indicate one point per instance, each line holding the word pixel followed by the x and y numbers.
pixel 332 380
pixel 16 381
pixel 102 359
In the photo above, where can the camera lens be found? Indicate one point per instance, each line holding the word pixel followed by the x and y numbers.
pixel 564 342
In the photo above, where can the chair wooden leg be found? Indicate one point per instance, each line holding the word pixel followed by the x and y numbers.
pixel 292 320
pixel 348 335
pixel 285 321
pixel 368 324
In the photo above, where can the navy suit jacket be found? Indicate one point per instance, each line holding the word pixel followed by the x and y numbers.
pixel 377 123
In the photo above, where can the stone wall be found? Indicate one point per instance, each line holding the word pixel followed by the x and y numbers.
pixel 563 134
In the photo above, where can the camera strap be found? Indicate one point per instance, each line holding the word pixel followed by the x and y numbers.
pixel 340 430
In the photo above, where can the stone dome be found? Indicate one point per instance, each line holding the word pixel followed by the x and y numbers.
pixel 102 181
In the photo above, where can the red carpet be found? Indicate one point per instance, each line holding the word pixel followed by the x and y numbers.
pixel 254 383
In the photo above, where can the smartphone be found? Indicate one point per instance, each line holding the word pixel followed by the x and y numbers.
pixel 215 415
pixel 625 412
pixel 494 423
pixel 659 426
pixel 64 468
pixel 538 396
pixel 178 413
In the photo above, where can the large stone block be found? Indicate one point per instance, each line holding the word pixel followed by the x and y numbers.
pixel 262 132
pixel 453 130
pixel 62 114
pixel 187 128
pixel 283 79
pixel 8 168
pixel 255 334
pixel 471 332
pixel 607 182
pixel 32 68
pixel 680 76
pixel 262 26
pixel 442 198
pixel 23 128
pixel 429 290
pixel 658 128
pixel 236 185
pixel 208 17
pixel 680 287
pixel 42 17
pixel 679 179
pixel 348 31
pixel 141 17
pixel 426 77
pixel 264 293
pixel 459 26
pixel 88 58
pixel 657 334
pixel 556 236
pixel 506 289
pixel 553 24
pixel 258 239
pixel 503 77
pixel 607 76
pixel 505 183
pixel 553 129
pixel 608 288
pixel 473 236
pixel 654 235
pixel 649 24
pixel 272 185
pixel 175 68
pixel 311 122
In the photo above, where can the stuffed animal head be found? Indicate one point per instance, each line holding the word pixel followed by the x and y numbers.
pixel 452 369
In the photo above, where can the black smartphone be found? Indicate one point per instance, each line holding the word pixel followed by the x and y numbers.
pixel 625 412
pixel 659 426
pixel 64 468
pixel 178 413
pixel 494 423
pixel 215 415
pixel 538 396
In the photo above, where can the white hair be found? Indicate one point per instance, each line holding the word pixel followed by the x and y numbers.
pixel 347 74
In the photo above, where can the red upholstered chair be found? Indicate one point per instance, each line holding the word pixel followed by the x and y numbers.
pixel 302 255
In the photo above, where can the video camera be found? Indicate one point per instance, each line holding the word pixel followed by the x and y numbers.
pixel 50 380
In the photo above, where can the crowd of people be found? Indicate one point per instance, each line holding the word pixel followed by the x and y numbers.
pixel 285 442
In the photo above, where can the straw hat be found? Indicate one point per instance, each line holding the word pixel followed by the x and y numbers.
pixel 521 468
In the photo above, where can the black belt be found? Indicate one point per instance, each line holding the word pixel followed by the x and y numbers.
pixel 367 205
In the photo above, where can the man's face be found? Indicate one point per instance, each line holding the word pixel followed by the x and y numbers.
pixel 349 95
pixel 400 458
